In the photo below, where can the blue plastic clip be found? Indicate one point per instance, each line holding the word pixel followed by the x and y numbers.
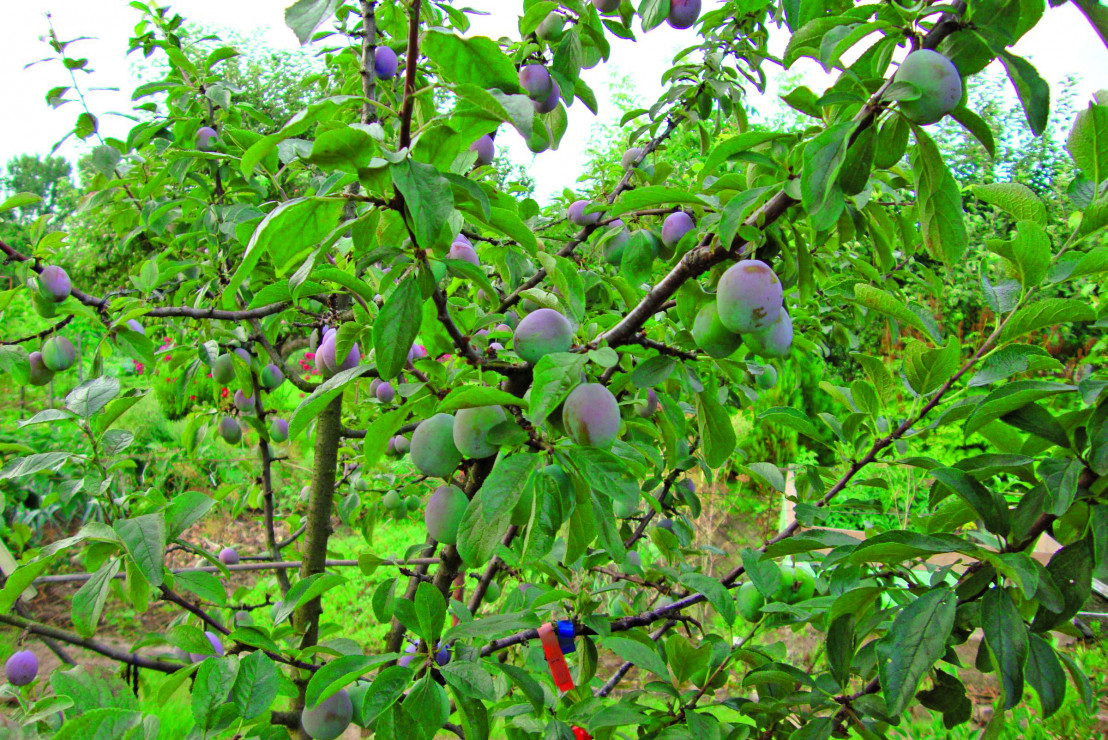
pixel 565 636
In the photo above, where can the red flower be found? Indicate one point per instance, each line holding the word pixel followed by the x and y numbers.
pixel 223 394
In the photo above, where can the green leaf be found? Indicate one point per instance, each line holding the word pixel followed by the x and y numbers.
pixel 387 687
pixel 714 591
pixel 314 404
pixel 426 707
pixel 304 591
pixel 92 395
pixel 940 202
pixel 1088 142
pixel 1044 673
pixel 652 196
pixel 1029 251
pixel 286 235
pixel 1011 397
pixel 1032 89
pixel 989 505
pixel 347 149
pixel 900 545
pixel 1047 312
pixel 396 328
pixel 428 198
pixel 1006 636
pixel 1071 569
pixel 517 110
pixel 927 369
pixel 732 146
pixel 886 303
pixel 144 538
pixel 653 371
pixel 653 13
pixel 337 675
pixel 716 431
pixel 476 60
pixel 89 600
pixel 638 654
pixel 184 510
pixel 469 679
pixel 878 374
pixel 474 396
pixel 1012 360
pixel 489 513
pixel 211 689
pixel 20 200
pixel 977 126
pixel 916 640
pixel 305 16
pixel 107 723
pixel 430 609
pixel 17 467
pixel 555 376
pixel 823 158
pixel 204 585
pixel 255 686
pixel 1018 201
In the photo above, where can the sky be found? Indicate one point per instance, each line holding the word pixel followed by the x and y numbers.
pixel 1062 44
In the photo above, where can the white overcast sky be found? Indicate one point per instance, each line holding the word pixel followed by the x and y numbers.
pixel 1062 44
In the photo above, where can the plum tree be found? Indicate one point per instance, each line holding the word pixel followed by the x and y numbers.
pixel 683 13
pixel 230 430
pixel 591 415
pixel 271 377
pixel 472 427
pixel 58 354
pixel 775 340
pixel 433 450
pixel 462 251
pixel 243 402
pixel 385 393
pixel 645 408
pixel 444 513
pixel 330 718
pixel 385 62
pixel 21 668
pixel 223 369
pixel 577 216
pixel 39 373
pixel 711 335
pixel 552 28
pixel 54 284
pixel 486 151
pixel 541 333
pixel 229 556
pixel 749 296
pixel 547 105
pixel 279 429
pixel 675 227
pixel 536 81
pixel 206 138
pixel 939 84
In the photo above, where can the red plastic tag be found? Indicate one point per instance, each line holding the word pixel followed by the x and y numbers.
pixel 580 733
pixel 548 633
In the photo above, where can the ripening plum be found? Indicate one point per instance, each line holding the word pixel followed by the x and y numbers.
pixel 667 524
pixel 646 408
pixel 749 296
pixel 54 284
pixel 549 103
pixel 776 340
pixel 675 227
pixel 40 374
pixel 577 215
pixel 136 327
pixel 496 346
pixel 767 379
pixel 279 430
pixel 711 335
pixel 206 138
pixel 217 648
pixel 398 445
pixel 631 156
pixel 243 355
pixel 243 402
pixel 541 333
pixel 606 6
pixel 442 655
pixel 406 659
pixel 591 416
pixel 325 356
pixel 432 447
pixel 330 718
pixel 229 556
pixel 385 393
pixel 385 62
pixel 463 251
pixel 486 150
pixel 417 352
pixel 271 377
pixel 632 563
pixel 472 427
pixel 939 83
pixel 750 602
pixel 58 354
pixel 230 430
pixel 443 514
pixel 223 369
pixel 536 81
pixel 21 668
pixel 243 618
pixel 551 28
pixel 683 13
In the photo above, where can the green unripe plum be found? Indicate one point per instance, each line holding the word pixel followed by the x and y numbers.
pixel 40 374
pixel 493 592
pixel 279 430
pixel 749 296
pixel 767 379
pixel 805 585
pixel 541 333
pixel 615 246
pixel 223 369
pixel 472 427
pixel 58 354
pixel 750 602
pixel 632 563
pixel 391 500
pixel 44 307
pixel 711 335
pixel 357 694
pixel 784 592
pixel 774 341
pixel 330 718
pixel 591 416
pixel 271 377
pixel 444 512
pixel 230 430
pixel 243 619
pixel 552 28
pixel 940 86
pixel 411 503
pixel 54 284
pixel 432 446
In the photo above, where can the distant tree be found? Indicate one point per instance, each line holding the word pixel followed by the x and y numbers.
pixel 49 178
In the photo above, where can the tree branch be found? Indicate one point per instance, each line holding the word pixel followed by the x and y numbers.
pixel 72 638
pixel 408 106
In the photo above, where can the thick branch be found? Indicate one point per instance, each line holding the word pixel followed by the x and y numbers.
pixel 267 489
pixel 408 106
